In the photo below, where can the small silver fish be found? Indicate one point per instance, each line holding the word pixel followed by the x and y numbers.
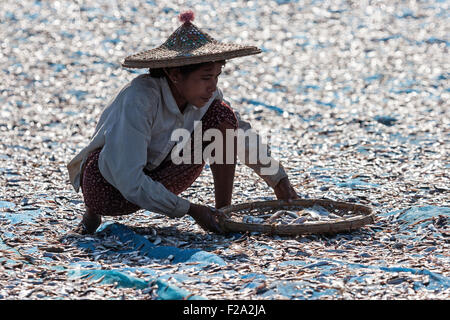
pixel 251 219
pixel 299 220
pixel 280 213
pixel 275 216
pixel 314 215
pixel 334 216
pixel 320 210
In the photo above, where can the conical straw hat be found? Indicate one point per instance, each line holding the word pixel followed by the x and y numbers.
pixel 187 45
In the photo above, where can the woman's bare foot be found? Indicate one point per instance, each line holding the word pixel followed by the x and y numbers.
pixel 90 222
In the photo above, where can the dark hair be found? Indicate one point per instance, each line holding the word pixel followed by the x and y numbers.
pixel 185 70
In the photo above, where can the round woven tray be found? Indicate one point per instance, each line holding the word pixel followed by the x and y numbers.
pixel 361 215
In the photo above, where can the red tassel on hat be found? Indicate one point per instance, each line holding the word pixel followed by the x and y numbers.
pixel 186 16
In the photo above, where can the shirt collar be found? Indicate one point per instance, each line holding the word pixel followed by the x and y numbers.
pixel 168 97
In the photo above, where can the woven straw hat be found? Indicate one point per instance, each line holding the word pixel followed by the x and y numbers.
pixel 187 45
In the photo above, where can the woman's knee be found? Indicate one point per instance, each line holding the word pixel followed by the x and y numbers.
pixel 223 115
pixel 100 197
pixel 229 117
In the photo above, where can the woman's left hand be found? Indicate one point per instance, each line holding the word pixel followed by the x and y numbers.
pixel 285 191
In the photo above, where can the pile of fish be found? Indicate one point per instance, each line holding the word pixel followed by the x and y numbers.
pixel 315 213
pixel 352 97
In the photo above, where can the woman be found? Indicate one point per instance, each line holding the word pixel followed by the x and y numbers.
pixel 128 164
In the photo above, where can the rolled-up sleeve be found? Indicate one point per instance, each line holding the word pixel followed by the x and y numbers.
pixel 124 156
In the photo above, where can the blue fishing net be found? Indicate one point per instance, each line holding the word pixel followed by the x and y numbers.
pixel 409 221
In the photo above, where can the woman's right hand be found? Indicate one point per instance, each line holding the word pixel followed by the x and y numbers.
pixel 206 217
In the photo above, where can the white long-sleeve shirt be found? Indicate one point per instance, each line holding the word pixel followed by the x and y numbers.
pixel 134 132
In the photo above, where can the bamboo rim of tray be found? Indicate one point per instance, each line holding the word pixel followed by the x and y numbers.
pixel 309 227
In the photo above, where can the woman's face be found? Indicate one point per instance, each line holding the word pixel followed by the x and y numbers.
pixel 198 86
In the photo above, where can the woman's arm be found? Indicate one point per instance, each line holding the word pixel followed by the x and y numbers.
pixel 285 191
pixel 277 177
pixel 124 157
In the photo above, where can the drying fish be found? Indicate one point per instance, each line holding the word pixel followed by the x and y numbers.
pixel 252 219
pixel 334 216
pixel 275 216
pixel 320 210
pixel 282 213
pixel 299 220
pixel 313 215
pixel 345 129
